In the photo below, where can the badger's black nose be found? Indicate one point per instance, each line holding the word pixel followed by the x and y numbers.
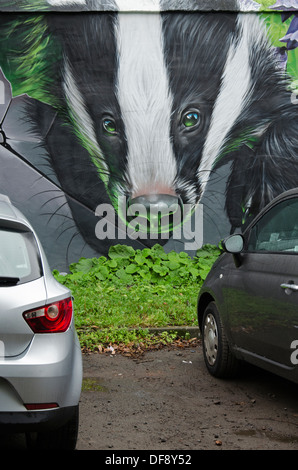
pixel 157 214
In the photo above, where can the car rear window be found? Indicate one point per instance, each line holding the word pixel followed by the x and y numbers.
pixel 19 256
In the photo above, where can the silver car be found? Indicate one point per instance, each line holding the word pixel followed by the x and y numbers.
pixel 40 355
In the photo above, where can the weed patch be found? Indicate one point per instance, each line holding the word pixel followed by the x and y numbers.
pixel 118 297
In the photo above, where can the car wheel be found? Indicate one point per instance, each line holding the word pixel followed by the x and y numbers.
pixel 218 357
pixel 63 438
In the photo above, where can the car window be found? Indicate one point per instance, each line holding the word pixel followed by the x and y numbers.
pixel 19 256
pixel 277 230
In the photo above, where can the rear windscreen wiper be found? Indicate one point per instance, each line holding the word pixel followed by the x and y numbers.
pixel 7 280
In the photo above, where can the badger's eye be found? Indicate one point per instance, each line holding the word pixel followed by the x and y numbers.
pixel 109 125
pixel 190 118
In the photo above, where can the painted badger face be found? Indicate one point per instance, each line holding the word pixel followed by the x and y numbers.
pixel 159 101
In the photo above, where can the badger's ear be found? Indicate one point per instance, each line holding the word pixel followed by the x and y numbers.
pixel 262 173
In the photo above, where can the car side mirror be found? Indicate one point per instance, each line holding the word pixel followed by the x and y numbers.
pixel 234 244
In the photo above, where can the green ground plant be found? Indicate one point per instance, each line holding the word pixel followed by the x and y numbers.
pixel 119 297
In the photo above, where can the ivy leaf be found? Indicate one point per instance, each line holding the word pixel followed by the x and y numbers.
pixel 84 265
pixel 131 268
pixel 161 270
pixel 112 263
pixel 173 265
pixel 102 273
pixel 146 275
pixel 121 274
pixel 140 259
pixel 121 251
pixel 194 272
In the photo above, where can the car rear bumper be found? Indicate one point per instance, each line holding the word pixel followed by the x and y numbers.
pixel 25 421
pixel 49 371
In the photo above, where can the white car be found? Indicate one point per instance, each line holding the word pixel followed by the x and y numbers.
pixel 40 355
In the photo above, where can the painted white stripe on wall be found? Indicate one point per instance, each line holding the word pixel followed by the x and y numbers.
pixel 234 92
pixel 145 102
pixel 138 5
pixel 248 5
pixel 62 3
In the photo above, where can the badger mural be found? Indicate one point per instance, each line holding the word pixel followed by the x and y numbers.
pixel 151 109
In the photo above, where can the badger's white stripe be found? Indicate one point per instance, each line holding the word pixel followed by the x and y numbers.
pixel 234 92
pixel 248 5
pixel 82 121
pixel 62 3
pixel 145 102
pixel 138 5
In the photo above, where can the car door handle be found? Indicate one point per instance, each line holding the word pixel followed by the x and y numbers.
pixel 289 286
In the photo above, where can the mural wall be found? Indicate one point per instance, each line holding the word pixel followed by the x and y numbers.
pixel 154 123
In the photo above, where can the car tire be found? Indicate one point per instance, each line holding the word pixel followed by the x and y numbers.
pixel 218 357
pixel 63 438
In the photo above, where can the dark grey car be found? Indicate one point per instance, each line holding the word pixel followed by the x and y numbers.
pixel 248 304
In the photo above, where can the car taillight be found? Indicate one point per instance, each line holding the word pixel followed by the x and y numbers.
pixel 40 406
pixel 52 318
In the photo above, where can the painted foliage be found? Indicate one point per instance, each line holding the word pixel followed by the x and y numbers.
pixel 138 127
